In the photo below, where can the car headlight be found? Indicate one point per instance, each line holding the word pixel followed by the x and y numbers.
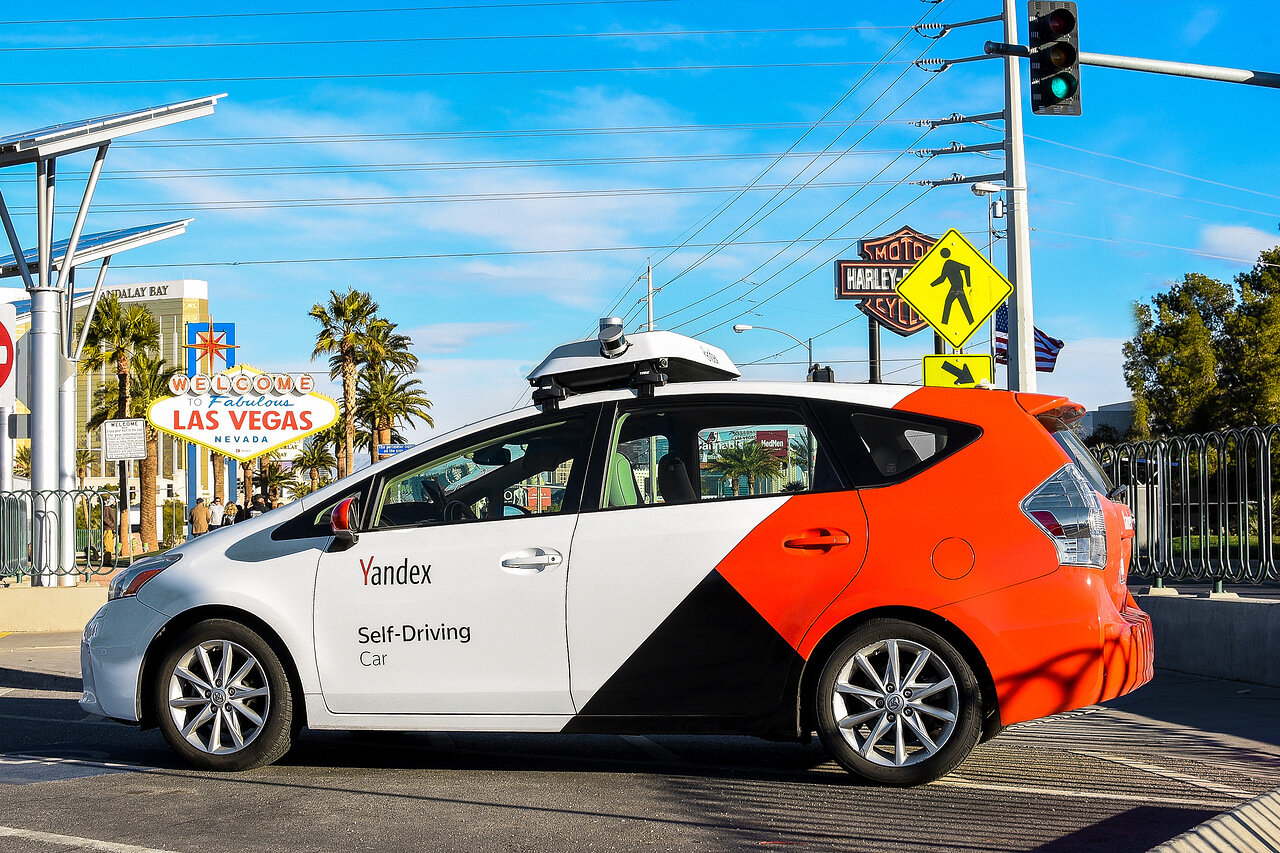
pixel 131 580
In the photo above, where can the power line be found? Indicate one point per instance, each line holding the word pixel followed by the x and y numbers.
pixel 446 255
pixel 445 198
pixel 1153 192
pixel 365 138
pixel 1191 251
pixel 311 12
pixel 421 39
pixel 407 75
pixel 432 166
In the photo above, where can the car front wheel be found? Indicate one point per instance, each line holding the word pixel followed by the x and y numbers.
pixel 897 704
pixel 222 698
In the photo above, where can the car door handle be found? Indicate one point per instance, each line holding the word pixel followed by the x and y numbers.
pixel 820 539
pixel 531 560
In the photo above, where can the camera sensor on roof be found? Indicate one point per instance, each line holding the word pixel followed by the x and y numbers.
pixel 613 339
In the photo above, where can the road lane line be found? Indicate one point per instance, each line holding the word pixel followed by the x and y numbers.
pixel 89 720
pixel 1156 770
pixel 83 843
pixel 960 782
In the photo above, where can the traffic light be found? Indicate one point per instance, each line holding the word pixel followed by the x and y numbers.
pixel 1053 32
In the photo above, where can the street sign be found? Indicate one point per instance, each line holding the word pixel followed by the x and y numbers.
pixel 8 354
pixel 124 439
pixel 243 413
pixel 958 371
pixel 973 288
pixel 392 449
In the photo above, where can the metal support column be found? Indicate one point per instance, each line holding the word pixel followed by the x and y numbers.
pixel 875 375
pixel 45 354
pixel 1022 350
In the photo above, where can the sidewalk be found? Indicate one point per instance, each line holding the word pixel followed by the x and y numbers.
pixel 44 661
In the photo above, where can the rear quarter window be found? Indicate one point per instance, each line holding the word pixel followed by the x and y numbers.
pixel 881 446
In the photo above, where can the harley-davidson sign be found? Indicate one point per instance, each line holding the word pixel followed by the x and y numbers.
pixel 243 413
pixel 885 260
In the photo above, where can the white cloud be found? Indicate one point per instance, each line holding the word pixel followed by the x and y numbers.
pixel 466 390
pixel 1090 371
pixel 1237 242
pixel 452 337
pixel 1204 22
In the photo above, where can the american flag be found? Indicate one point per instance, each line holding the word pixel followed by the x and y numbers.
pixel 1047 348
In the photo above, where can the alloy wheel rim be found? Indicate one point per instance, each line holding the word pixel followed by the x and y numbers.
pixel 219 697
pixel 895 702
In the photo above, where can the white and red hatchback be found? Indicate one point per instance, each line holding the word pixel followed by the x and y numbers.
pixel 656 547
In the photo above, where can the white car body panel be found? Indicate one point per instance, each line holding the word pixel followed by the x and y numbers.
pixel 513 658
pixel 626 581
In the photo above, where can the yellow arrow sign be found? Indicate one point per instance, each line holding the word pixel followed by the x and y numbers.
pixel 958 371
pixel 954 288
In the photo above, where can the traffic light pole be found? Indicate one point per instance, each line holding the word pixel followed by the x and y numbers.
pixel 1022 353
pixel 1152 66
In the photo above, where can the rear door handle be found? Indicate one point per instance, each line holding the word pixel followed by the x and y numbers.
pixel 819 539
pixel 531 560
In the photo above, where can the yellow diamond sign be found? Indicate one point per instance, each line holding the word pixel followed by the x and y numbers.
pixel 954 288
pixel 958 371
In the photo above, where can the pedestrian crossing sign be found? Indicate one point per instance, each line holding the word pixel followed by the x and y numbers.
pixel 954 288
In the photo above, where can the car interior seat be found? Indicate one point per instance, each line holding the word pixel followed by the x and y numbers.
pixel 673 481
pixel 621 488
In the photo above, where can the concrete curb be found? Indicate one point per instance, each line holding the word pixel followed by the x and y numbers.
pixel 1233 638
pixel 27 680
pixel 44 609
pixel 1254 826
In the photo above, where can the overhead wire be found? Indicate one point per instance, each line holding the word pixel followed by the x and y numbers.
pixel 47 48
pixel 295 13
pixel 415 75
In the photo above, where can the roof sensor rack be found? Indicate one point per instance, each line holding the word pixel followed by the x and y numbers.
pixel 641 362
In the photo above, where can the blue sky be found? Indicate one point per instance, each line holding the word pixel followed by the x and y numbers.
pixel 531 200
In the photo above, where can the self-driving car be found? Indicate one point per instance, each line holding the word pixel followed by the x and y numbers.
pixel 656 546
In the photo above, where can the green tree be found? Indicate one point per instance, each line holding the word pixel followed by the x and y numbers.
pixel 346 325
pixel 748 460
pixel 22 461
pixel 151 375
pixel 116 335
pixel 1172 364
pixel 385 399
pixel 1251 346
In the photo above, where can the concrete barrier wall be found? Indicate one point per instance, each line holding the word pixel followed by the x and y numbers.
pixel 1220 637
pixel 24 608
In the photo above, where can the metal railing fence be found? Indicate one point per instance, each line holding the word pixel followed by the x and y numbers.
pixel 1204 505
pixel 56 537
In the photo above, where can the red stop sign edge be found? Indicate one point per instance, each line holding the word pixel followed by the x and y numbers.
pixel 8 355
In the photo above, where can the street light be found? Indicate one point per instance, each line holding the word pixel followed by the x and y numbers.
pixel 739 328
pixel 808 345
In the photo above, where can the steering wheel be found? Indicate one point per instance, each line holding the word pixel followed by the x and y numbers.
pixel 458 511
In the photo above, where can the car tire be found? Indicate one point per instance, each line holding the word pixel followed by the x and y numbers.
pixel 897 705
pixel 222 697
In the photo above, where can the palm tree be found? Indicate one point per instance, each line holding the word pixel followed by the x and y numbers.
pixel 219 463
pixel 748 460
pixel 84 461
pixel 246 474
pixel 334 437
pixel 116 335
pixel 345 327
pixel 274 479
pixel 22 461
pixel 314 458
pixel 151 375
pixel 386 398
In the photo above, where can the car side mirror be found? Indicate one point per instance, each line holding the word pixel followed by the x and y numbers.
pixel 345 521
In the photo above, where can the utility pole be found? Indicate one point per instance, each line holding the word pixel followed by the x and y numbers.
pixel 1022 353
pixel 653 439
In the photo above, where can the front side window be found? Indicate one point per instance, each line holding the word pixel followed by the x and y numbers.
pixel 520 474
pixel 686 453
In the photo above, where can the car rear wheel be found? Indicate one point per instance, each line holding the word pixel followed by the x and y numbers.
pixel 897 704
pixel 222 698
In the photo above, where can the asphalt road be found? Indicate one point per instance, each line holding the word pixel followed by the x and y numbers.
pixel 1122 777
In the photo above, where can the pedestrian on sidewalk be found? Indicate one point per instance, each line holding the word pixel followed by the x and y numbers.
pixel 216 511
pixel 199 518
pixel 229 515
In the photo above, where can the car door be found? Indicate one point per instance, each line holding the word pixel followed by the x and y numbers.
pixel 694 579
pixel 452 599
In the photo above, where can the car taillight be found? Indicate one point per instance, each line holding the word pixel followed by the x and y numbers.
pixel 1068 510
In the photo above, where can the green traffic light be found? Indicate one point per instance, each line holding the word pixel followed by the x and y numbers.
pixel 1062 86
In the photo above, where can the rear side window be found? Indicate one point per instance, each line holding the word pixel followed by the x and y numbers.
pixel 879 446
pixel 1085 461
